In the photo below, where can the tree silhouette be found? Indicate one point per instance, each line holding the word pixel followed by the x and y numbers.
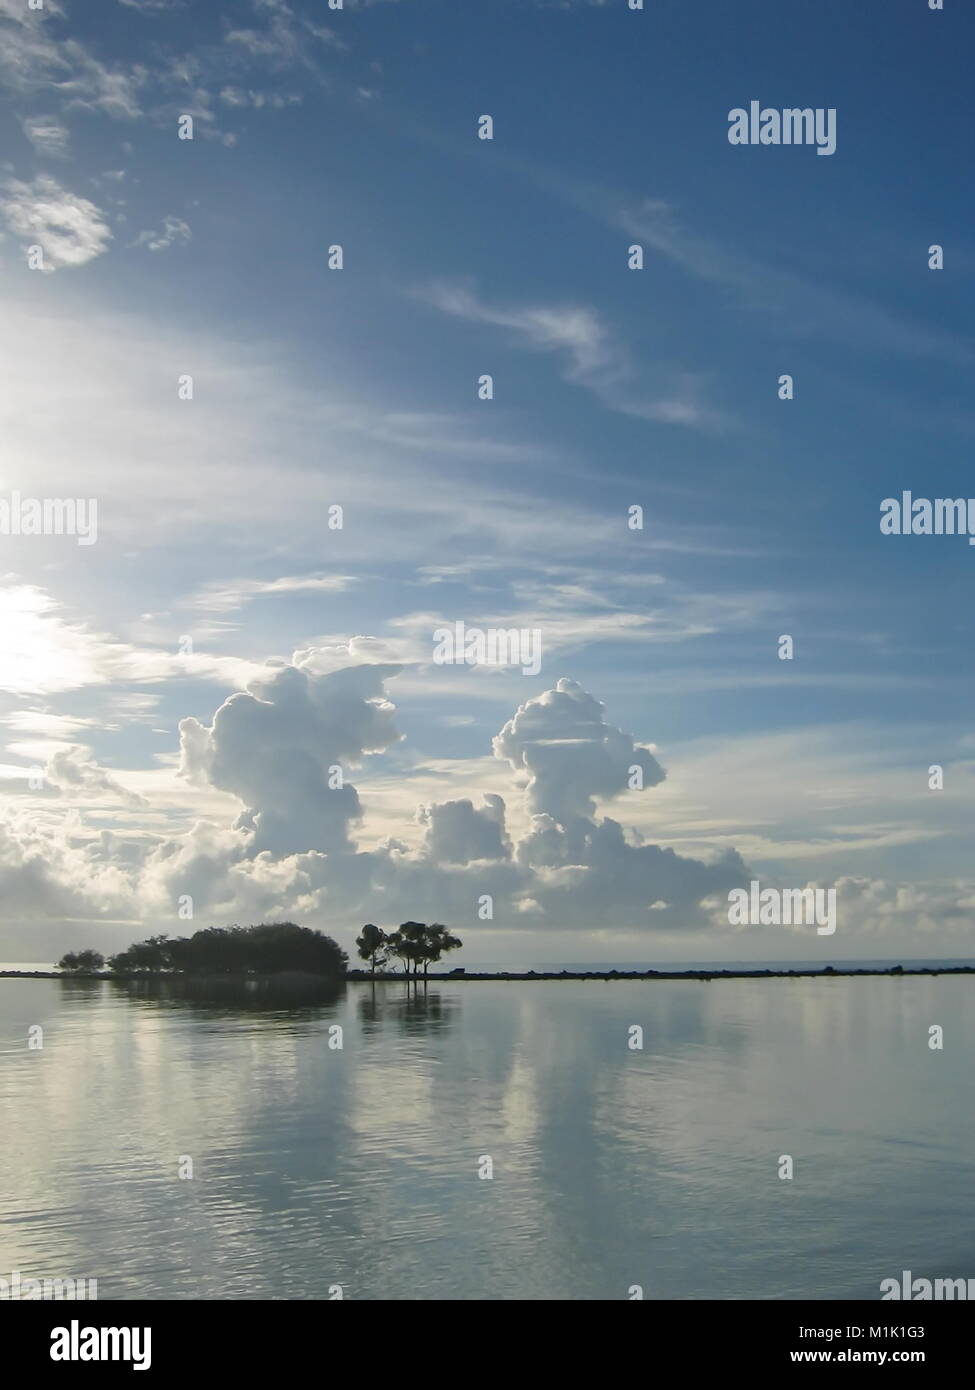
pixel 82 962
pixel 372 946
pixel 266 949
pixel 438 941
pixel 416 944
pixel 405 945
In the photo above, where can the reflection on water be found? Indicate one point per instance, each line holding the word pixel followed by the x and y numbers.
pixel 233 992
pixel 316 1164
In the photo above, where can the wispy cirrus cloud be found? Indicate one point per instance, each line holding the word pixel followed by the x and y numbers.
pixel 227 598
pixel 808 308
pixel 47 652
pixel 173 230
pixel 33 58
pixel 593 355
pixel 153 6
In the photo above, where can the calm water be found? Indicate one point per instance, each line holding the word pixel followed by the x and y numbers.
pixel 612 1167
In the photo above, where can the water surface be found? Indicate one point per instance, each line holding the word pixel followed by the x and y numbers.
pixel 316 1167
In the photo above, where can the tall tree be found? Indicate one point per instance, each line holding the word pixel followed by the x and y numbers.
pixel 372 945
pixel 416 944
pixel 82 962
pixel 437 942
pixel 406 944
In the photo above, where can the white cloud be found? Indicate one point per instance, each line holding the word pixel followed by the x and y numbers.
pixel 48 135
pixel 71 230
pixel 173 230
pixel 458 832
pixel 230 596
pixel 290 852
pixel 33 59
pixel 152 5
pixel 272 746
pixel 275 747
pixel 595 359
pixel 45 653
pixel 570 755
pixel 74 769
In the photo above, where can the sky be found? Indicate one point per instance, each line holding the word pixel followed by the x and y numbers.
pixel 262 352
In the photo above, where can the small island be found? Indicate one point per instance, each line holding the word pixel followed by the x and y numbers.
pixel 275 956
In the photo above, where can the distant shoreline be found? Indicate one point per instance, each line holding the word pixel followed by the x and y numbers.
pixel 364 977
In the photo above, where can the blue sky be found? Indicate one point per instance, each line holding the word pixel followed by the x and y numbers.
pixel 315 387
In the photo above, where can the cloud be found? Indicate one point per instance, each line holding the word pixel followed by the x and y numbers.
pixel 33 59
pixel 594 358
pixel 71 230
pixel 571 755
pixel 47 872
pixel 48 135
pixel 174 229
pixel 458 832
pixel 283 41
pixel 230 596
pixel 44 653
pixel 74 769
pixel 237 97
pixel 46 723
pixel 276 747
pixel 290 853
pixel 272 746
pixel 806 307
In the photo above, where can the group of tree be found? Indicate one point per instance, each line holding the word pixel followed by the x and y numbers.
pixel 269 948
pixel 82 962
pixel 414 944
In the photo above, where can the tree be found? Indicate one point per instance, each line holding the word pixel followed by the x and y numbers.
pixel 151 955
pixel 437 942
pixel 266 949
pixel 82 962
pixel 406 945
pixel 416 944
pixel 372 944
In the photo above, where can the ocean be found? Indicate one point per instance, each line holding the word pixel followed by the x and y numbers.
pixel 551 1141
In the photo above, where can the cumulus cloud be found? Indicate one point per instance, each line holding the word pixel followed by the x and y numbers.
pixel 571 755
pixel 71 230
pixel 290 853
pixel 277 745
pixel 458 832
pixel 51 871
pixel 273 747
